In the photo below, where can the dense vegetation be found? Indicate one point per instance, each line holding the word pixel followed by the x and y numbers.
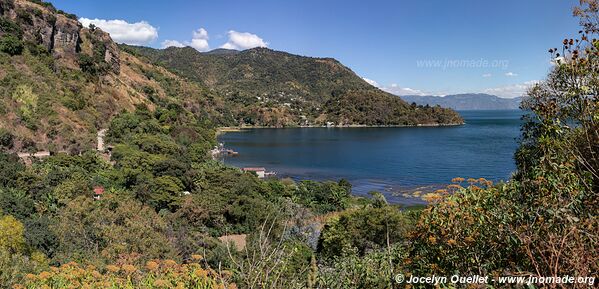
pixel 154 210
pixel 163 199
pixel 273 88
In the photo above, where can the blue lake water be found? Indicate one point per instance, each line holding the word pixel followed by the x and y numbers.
pixel 385 159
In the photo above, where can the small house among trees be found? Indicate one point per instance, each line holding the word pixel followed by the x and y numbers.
pixel 261 172
pixel 98 192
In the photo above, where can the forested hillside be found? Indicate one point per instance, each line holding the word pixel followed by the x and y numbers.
pixel 274 88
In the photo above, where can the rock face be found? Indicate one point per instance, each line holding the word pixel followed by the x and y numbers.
pixel 59 33
pixel 111 54
pixel 66 40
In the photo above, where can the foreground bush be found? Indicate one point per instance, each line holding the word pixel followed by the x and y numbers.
pixel 365 230
pixel 544 225
pixel 468 231
pixel 155 274
pixel 376 269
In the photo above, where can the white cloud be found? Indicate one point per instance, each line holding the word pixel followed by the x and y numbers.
pixel 199 41
pixel 138 33
pixel 511 91
pixel 371 82
pixel 200 34
pixel 487 75
pixel 508 91
pixel 395 89
pixel 243 40
pixel 511 74
pixel 171 43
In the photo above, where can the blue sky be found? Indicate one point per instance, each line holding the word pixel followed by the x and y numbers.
pixel 405 46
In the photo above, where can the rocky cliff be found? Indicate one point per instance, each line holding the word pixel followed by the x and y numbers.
pixel 59 33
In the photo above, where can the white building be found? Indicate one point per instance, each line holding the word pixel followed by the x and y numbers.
pixel 261 172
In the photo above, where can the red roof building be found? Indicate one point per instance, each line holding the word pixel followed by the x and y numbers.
pixel 98 191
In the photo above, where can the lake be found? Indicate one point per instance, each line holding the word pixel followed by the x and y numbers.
pixel 394 161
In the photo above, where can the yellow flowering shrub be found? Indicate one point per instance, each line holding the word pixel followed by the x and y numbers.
pixel 156 274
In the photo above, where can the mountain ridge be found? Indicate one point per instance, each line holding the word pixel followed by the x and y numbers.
pixel 277 88
pixel 466 101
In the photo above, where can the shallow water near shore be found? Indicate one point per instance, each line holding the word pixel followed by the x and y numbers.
pixel 393 160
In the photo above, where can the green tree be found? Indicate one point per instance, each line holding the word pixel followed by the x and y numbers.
pixel 323 197
pixel 10 167
pixel 11 235
pixel 6 139
pixel 165 192
pixel 364 229
pixel 100 231
pixel 15 258
pixel 11 44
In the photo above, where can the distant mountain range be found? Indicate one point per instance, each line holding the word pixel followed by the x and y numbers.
pixel 468 101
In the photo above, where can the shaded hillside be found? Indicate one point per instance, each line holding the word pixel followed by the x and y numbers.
pixel 61 82
pixel 470 101
pixel 267 87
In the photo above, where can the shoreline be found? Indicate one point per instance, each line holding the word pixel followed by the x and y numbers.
pixel 225 129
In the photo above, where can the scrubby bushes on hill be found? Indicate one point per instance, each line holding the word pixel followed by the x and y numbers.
pixel 11 44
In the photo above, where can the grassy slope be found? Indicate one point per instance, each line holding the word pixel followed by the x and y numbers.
pixel 69 107
pixel 49 102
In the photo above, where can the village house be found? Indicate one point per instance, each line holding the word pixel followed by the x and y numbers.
pixel 98 192
pixel 261 172
pixel 28 158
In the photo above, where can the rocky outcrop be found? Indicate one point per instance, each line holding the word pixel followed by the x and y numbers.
pixel 111 50
pixel 59 33
pixel 66 40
